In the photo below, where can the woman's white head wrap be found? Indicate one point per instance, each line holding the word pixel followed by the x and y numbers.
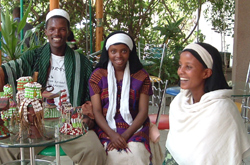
pixel 119 38
pixel 203 53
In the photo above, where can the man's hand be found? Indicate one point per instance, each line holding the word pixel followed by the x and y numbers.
pixel 87 109
pixel 88 121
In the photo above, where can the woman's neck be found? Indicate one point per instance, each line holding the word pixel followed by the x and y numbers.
pixel 119 75
pixel 197 96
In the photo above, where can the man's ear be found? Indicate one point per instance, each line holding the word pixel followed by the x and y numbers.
pixel 207 73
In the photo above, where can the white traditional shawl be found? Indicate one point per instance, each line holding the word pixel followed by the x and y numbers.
pixel 208 132
pixel 124 103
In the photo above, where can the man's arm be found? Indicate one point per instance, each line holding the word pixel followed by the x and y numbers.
pixel 2 81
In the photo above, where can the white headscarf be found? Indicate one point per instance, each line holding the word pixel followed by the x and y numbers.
pixel 205 56
pixel 119 38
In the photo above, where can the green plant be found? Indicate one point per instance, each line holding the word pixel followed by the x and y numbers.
pixel 221 16
pixel 36 37
pixel 171 30
pixel 173 36
pixel 12 47
pixel 199 36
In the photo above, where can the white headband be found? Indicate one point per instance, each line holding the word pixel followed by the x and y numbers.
pixel 203 53
pixel 57 12
pixel 119 38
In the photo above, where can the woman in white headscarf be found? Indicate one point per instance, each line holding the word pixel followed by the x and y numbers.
pixel 205 124
pixel 120 90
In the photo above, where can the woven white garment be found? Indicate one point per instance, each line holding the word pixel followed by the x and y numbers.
pixel 139 155
pixel 208 132
pixel 112 90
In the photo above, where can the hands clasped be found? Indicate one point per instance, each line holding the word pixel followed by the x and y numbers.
pixel 117 141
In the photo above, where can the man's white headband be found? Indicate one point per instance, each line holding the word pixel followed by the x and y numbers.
pixel 119 38
pixel 57 12
pixel 203 53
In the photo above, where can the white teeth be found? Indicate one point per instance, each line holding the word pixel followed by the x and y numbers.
pixel 56 39
pixel 183 79
pixel 119 61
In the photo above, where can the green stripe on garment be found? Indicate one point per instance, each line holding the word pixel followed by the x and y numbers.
pixel 77 78
pixel 19 61
pixel 13 65
pixel 69 63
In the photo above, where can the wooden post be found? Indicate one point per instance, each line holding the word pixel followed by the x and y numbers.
pixel 99 28
pixel 53 4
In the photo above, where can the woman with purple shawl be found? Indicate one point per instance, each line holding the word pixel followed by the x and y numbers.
pixel 120 90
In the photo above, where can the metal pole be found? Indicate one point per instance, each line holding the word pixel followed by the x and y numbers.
pixel 90 27
pixel 32 156
pixel 32 153
pixel 86 26
pixel 21 149
pixel 57 146
pixel 21 17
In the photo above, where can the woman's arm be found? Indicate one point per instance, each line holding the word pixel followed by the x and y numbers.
pixel 140 118
pixel 117 141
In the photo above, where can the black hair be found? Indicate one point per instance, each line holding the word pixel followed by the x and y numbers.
pixel 71 36
pixel 134 61
pixel 217 80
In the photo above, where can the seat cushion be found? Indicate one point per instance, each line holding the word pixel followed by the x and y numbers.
pixel 154 79
pixel 163 123
pixel 173 91
pixel 51 151
pixel 238 106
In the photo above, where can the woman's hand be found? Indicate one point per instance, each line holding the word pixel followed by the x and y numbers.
pixel 116 141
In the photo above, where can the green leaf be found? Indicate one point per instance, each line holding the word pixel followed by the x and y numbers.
pixel 23 21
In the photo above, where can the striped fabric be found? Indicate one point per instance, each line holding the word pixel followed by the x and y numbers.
pixel 77 67
pixel 140 83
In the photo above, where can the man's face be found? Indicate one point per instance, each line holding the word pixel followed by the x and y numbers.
pixel 57 32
